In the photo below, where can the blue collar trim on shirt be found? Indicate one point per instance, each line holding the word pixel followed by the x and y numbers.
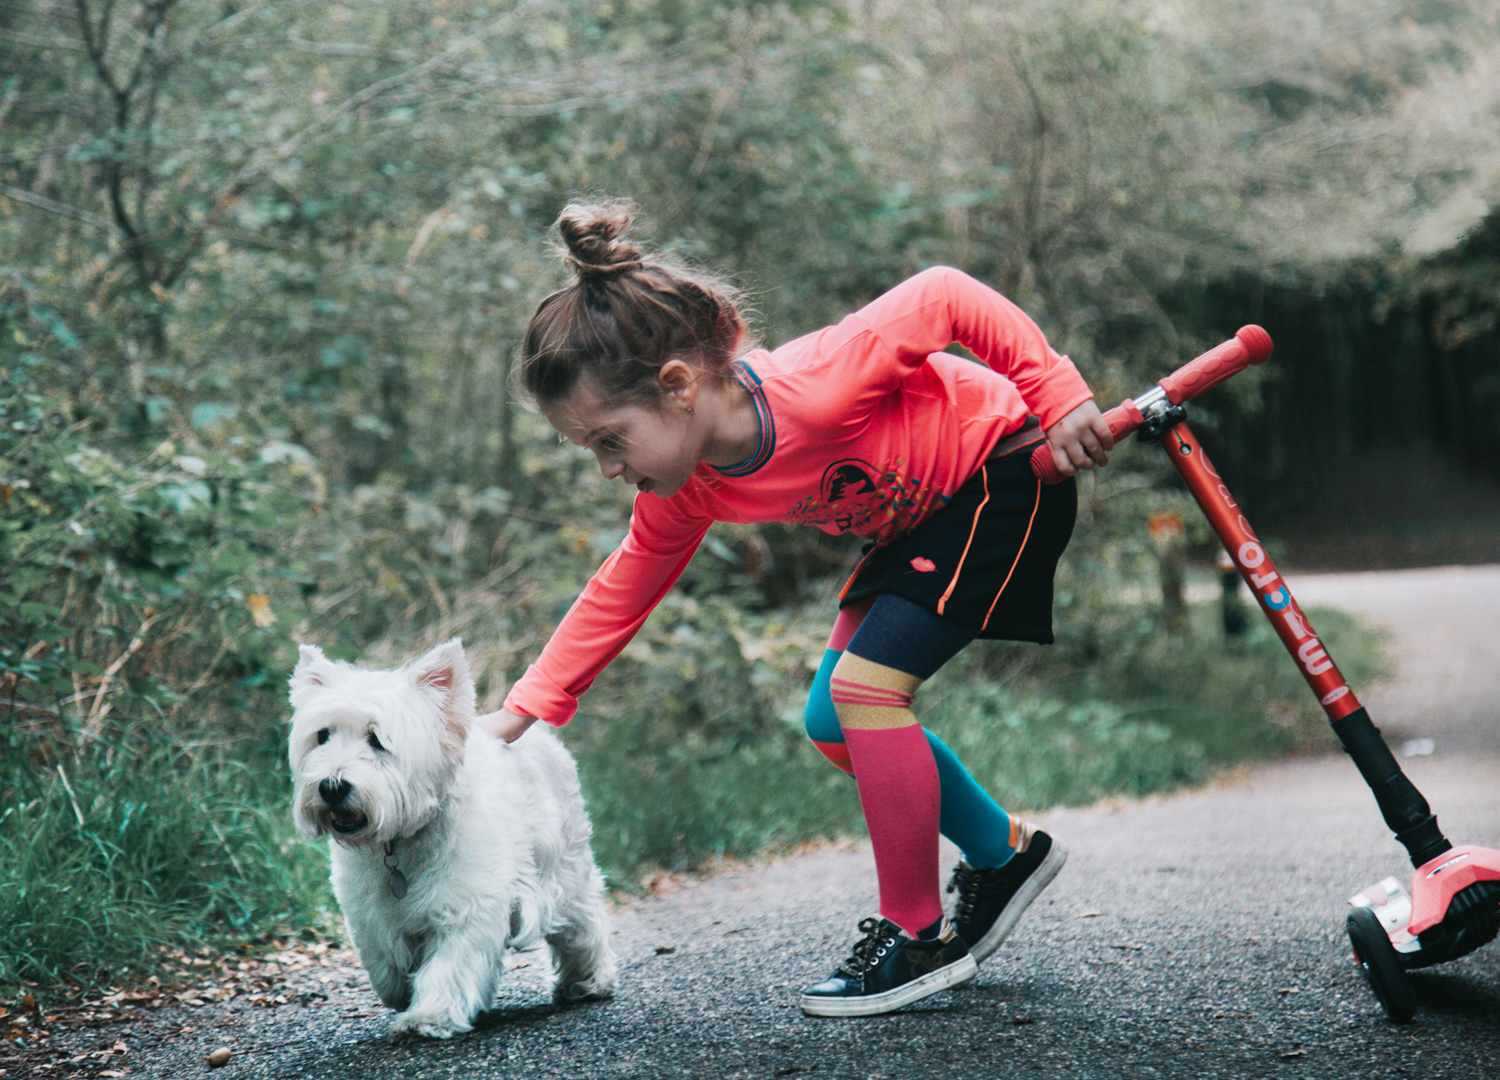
pixel 751 382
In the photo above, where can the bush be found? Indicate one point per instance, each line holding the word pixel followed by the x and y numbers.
pixel 147 583
pixel 691 747
pixel 144 642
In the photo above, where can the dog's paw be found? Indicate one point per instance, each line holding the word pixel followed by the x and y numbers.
pixel 413 1024
pixel 588 990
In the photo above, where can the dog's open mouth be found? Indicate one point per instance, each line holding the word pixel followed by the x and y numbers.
pixel 347 821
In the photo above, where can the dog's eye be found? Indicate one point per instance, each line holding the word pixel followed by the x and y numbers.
pixel 322 736
pixel 374 742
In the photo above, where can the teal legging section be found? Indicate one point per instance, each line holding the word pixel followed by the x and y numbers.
pixel 968 816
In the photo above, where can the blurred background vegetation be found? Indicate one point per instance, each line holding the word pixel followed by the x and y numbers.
pixel 264 266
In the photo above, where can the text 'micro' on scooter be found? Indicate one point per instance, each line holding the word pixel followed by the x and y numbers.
pixel 1453 905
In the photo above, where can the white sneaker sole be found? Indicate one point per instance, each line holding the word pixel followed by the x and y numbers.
pixel 960 971
pixel 1040 878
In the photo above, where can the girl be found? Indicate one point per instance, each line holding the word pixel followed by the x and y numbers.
pixel 863 427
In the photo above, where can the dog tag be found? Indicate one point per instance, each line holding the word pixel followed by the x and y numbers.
pixel 397 881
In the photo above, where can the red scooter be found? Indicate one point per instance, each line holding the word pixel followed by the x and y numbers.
pixel 1453 905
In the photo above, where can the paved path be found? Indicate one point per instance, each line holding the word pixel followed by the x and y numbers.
pixel 1198 935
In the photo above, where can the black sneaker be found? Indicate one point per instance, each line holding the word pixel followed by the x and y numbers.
pixel 887 970
pixel 991 901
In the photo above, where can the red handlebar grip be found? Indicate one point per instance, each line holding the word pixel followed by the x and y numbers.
pixel 1041 464
pixel 1122 420
pixel 1250 345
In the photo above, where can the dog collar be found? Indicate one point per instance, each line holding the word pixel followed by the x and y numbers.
pixel 394 878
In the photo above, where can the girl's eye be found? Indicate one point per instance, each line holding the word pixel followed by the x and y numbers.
pixel 612 444
pixel 322 736
pixel 374 742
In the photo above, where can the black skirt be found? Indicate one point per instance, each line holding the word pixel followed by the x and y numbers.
pixel 986 560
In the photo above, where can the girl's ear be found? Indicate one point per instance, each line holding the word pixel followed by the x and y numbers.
pixel 679 381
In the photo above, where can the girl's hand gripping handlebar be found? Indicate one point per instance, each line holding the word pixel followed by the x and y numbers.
pixel 1250 345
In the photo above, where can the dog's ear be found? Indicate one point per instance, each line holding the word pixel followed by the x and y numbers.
pixel 442 667
pixel 445 672
pixel 312 671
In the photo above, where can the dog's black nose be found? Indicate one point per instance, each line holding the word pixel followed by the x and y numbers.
pixel 333 791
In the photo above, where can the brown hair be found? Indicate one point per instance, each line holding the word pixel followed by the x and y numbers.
pixel 624 315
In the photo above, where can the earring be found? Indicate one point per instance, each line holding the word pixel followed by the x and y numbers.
pixel 690 410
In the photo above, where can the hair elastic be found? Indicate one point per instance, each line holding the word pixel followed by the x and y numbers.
pixel 589 270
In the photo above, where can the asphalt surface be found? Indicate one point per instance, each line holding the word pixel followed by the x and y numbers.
pixel 1198 935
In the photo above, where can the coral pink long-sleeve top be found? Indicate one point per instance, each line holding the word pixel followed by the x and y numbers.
pixel 865 427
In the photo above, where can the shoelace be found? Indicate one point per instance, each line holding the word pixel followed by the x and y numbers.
pixel 965 882
pixel 868 949
pixel 969 883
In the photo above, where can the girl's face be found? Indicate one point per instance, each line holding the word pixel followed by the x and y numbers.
pixel 651 447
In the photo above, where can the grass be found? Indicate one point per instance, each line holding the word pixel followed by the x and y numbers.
pixel 679 806
pixel 127 850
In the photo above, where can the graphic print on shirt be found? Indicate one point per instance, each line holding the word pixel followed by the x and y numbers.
pixel 846 480
pixel 854 496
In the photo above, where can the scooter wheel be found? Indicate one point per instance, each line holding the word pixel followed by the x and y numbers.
pixel 1378 958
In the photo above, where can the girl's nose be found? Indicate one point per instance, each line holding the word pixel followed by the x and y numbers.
pixel 610 467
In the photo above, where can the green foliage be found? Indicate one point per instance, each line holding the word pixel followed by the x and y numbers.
pixel 1232 699
pixel 677 800
pixel 1082 189
pixel 1036 751
pixel 691 745
pixel 140 582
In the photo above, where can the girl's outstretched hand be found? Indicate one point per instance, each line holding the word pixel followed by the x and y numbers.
pixel 505 725
pixel 1080 439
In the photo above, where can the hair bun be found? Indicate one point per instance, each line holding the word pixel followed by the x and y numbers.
pixel 595 236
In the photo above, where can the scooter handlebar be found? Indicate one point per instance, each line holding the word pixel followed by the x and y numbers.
pixel 1250 345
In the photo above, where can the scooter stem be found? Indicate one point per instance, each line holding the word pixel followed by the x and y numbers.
pixel 1402 805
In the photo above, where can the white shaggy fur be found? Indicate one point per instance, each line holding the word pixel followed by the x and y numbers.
pixel 491 839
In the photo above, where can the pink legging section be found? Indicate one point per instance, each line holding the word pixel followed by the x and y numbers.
pixel 898 789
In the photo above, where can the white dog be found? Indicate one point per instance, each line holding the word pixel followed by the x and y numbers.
pixel 451 846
